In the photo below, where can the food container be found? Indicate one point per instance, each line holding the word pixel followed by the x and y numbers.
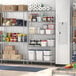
pixel 50 42
pixel 48 31
pixel 42 31
pixel 43 43
pixel 51 26
pixel 44 19
pixel 38 19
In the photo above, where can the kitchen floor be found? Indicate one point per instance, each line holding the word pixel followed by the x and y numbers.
pixel 46 72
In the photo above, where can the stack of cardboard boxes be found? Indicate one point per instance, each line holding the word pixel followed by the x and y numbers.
pixel 13 7
pixel 9 53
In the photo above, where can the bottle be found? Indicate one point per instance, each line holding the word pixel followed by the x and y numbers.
pixel 24 38
pixel 19 37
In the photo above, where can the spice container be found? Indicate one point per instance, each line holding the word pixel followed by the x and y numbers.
pixel 43 42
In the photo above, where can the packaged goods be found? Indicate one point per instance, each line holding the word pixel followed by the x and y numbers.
pixel 22 7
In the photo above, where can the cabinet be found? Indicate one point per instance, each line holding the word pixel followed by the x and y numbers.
pixel 41 36
pixel 27 36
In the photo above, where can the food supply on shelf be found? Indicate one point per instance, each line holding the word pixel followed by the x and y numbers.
pixel 12 37
pixel 13 22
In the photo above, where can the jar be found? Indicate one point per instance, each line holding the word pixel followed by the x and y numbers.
pixel 43 43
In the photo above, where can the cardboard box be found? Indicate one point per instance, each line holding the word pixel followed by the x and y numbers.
pixel 6 56
pixel 22 7
pixel 9 7
pixel 16 57
pixel 11 52
pixel 9 47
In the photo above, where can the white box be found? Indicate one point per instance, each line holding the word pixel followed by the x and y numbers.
pixel 39 55
pixel 47 58
pixel 47 52
pixel 31 55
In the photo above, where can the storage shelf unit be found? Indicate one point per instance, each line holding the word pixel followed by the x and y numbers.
pixel 28 52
